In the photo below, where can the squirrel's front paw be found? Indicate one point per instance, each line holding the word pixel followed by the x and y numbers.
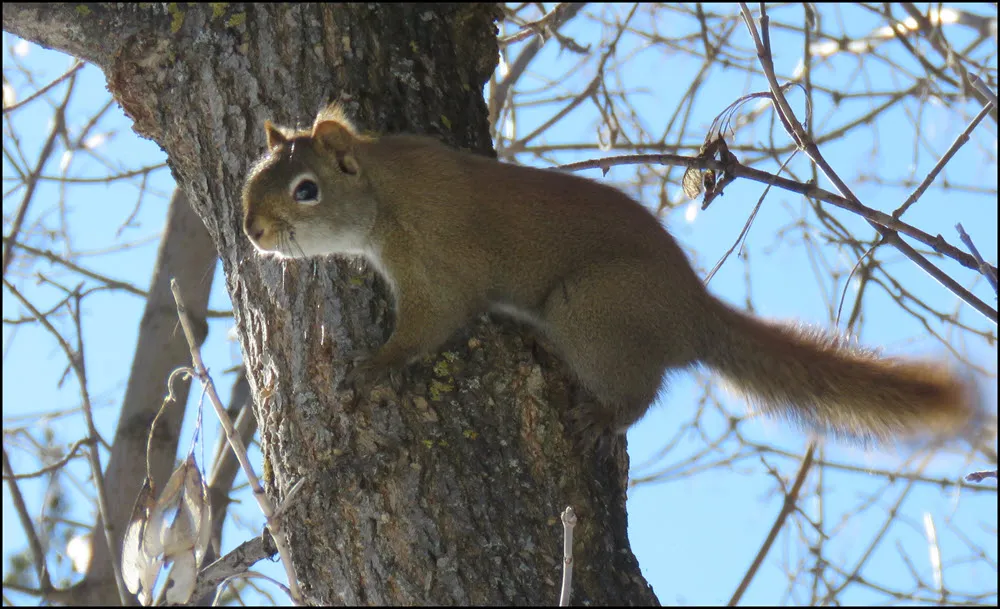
pixel 363 374
pixel 592 429
pixel 368 371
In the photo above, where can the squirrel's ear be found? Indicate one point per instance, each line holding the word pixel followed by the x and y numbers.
pixel 337 139
pixel 275 136
pixel 333 135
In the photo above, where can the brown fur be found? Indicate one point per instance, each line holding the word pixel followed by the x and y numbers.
pixel 456 234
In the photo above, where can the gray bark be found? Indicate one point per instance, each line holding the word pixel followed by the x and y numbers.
pixel 448 487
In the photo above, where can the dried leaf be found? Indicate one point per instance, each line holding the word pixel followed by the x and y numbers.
pixel 140 568
pixel 168 501
pixel 182 577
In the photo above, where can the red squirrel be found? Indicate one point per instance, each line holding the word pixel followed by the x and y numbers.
pixel 456 234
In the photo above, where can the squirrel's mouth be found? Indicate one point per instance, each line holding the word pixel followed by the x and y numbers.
pixel 284 245
pixel 270 235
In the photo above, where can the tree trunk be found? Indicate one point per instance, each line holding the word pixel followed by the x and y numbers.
pixel 444 489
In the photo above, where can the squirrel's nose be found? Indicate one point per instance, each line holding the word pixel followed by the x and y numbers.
pixel 253 227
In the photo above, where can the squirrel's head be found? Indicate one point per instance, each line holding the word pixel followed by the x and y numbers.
pixel 309 194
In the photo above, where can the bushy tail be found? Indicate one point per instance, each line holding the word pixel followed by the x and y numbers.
pixel 825 382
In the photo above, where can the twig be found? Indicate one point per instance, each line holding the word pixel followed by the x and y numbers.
pixel 799 136
pixel 131 173
pixel 237 444
pixel 31 180
pixel 952 150
pixel 538 27
pixel 893 513
pixel 107 281
pixel 499 94
pixel 216 601
pixel 569 521
pixel 34 544
pixel 985 268
pixel 809 190
pixel 980 476
pixel 232 564
pixel 791 497
pixel 982 88
pixel 952 59
pixel 589 90
pixel 27 100
pixel 48 469
pixel 75 360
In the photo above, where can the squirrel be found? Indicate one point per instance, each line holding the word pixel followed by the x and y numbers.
pixel 456 234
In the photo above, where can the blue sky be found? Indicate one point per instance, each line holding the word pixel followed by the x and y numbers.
pixel 694 535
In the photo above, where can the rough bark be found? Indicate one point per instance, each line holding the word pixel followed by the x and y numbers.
pixel 446 488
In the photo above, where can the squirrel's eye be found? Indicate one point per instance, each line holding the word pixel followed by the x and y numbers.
pixel 306 192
